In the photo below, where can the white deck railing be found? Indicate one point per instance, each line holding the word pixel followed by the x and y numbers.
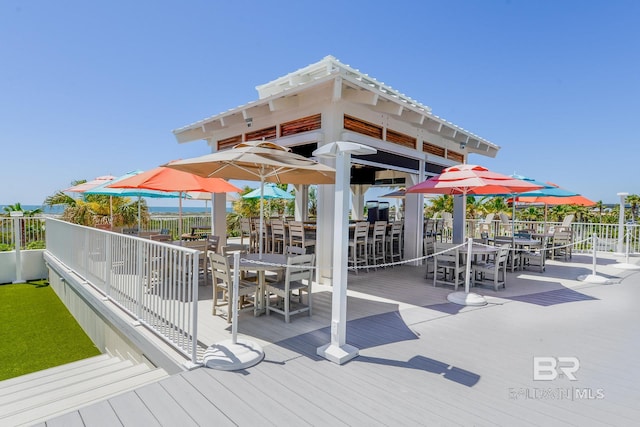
pixel 32 230
pixel 155 283
pixel 582 232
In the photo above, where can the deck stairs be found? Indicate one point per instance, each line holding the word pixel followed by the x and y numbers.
pixel 43 395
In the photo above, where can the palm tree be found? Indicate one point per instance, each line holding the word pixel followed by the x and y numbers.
pixel 496 205
pixel 59 198
pixel 443 203
pixel 633 201
pixel 17 207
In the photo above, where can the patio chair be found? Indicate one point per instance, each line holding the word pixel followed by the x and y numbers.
pixel 376 244
pixel 447 266
pixel 394 241
pixel 297 235
pixel 562 243
pixel 497 269
pixel 535 256
pixel 203 247
pixel 487 225
pixel 298 277
pixel 230 248
pixel 567 220
pixel 247 230
pixel 278 236
pixel 428 249
pixel 212 243
pixel 506 224
pixel 288 251
pixel 358 246
pixel 223 285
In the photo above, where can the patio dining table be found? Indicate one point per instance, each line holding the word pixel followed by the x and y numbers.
pixel 519 244
pixel 268 262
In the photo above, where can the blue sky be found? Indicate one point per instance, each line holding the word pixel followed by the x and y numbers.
pixel 95 88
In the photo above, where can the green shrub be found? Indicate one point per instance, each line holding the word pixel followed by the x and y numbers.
pixel 5 247
pixel 37 244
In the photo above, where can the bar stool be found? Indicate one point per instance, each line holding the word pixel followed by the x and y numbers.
pixel 297 236
pixel 358 245
pixel 394 242
pixel 278 236
pixel 377 244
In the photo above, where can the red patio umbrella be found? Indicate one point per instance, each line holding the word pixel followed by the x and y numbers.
pixel 472 179
pixel 168 179
pixel 467 180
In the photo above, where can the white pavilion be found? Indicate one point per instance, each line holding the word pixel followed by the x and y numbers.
pixel 329 101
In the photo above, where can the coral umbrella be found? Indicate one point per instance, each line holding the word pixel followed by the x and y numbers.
pixel 170 180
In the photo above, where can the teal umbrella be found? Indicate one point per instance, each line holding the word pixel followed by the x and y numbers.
pixel 271 191
pixel 547 190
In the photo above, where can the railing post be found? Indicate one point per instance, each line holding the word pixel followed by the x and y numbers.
pixel 593 248
pixel 234 298
pixel 17 239
pixel 140 284
pixel 107 263
pixel 194 312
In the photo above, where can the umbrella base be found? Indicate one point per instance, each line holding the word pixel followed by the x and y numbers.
pixel 594 278
pixel 337 354
pixel 463 298
pixel 227 356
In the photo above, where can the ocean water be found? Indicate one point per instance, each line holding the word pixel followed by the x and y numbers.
pixel 58 209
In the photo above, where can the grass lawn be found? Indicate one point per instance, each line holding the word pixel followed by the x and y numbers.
pixel 37 331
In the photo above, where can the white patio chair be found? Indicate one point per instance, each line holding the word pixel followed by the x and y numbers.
pixel 297 277
pixel 223 284
pixel 497 269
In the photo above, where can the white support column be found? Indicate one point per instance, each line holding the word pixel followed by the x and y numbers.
pixel 219 217
pixel 302 203
pixel 357 201
pixel 459 218
pixel 338 351
pixel 413 219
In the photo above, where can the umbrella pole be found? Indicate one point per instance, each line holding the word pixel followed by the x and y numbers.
pixel 261 216
pixel 111 212
pixel 234 354
pixel 139 222
pixel 213 215
pixel 466 297
pixel 180 215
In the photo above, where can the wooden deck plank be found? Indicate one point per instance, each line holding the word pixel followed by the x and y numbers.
pixel 424 360
pixel 132 411
pixel 100 414
pixel 163 407
pixel 194 401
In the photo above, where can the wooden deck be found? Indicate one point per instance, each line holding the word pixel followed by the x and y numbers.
pixel 423 360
